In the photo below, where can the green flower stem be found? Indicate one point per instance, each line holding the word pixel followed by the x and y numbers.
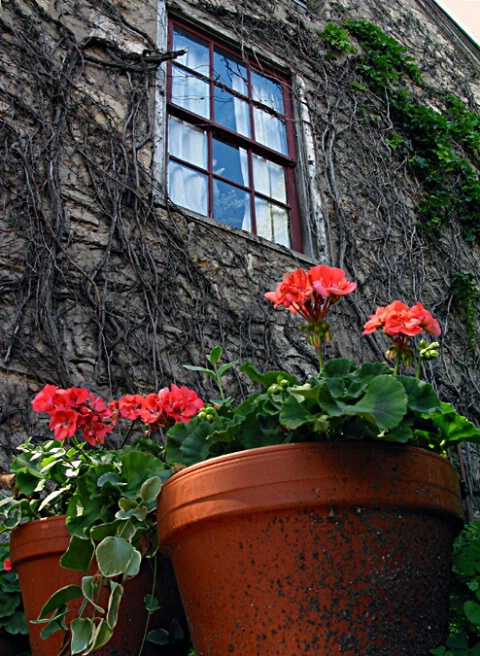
pixel 397 362
pixel 419 367
pixel 128 433
pixel 320 359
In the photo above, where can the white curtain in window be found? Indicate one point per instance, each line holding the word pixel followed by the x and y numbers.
pixel 270 131
pixel 242 121
pixel 187 187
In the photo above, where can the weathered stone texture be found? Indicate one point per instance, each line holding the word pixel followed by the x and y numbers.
pixel 103 285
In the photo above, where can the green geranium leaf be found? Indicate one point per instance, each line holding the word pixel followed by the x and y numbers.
pixel 294 414
pixel 79 554
pixel 114 555
pixel 111 478
pixel 268 378
pixel 215 354
pixel 421 395
pixel 472 612
pixel 455 427
pixel 338 368
pixel 82 634
pixel 385 401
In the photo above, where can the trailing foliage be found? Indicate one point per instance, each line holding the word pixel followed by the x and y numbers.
pixel 12 617
pixel 464 639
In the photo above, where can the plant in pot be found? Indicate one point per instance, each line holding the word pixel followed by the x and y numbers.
pixel 318 516
pixel 82 525
pixel 13 627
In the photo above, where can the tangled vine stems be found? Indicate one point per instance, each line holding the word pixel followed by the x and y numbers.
pixel 161 289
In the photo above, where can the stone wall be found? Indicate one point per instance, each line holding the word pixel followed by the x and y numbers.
pixel 105 284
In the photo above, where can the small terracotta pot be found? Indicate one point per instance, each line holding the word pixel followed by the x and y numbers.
pixel 342 547
pixel 36 549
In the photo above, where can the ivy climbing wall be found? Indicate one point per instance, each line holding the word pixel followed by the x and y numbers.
pixel 104 283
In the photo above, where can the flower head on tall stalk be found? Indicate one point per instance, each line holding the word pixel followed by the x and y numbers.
pixel 401 323
pixel 311 294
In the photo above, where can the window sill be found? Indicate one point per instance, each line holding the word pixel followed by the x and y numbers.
pixel 236 233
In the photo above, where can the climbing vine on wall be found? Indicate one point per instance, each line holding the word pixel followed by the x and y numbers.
pixel 442 142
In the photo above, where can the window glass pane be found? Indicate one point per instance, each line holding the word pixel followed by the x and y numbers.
pixel 187 142
pixel 230 162
pixel 230 71
pixel 190 92
pixel 267 91
pixel 231 205
pixel 231 112
pixel 197 56
pixel 188 188
pixel 269 178
pixel 272 222
pixel 270 131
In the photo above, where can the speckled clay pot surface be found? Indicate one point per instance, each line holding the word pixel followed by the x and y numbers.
pixel 318 549
pixel 36 549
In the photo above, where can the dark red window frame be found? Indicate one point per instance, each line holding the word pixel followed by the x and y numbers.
pixel 288 161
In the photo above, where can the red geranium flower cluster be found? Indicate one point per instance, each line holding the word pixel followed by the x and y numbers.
pixel 311 293
pixel 401 323
pixel 76 409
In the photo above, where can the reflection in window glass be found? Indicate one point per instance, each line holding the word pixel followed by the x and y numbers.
pixel 187 142
pixel 231 205
pixel 230 71
pixel 269 178
pixel 190 92
pixel 188 188
pixel 197 56
pixel 270 131
pixel 267 91
pixel 230 162
pixel 232 112
pixel 272 222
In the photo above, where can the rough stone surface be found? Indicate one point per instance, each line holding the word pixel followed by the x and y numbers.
pixel 104 285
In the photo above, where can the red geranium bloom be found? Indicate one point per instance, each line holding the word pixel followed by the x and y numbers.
pixel 181 403
pixel 152 409
pixel 130 406
pixel 311 294
pixel 330 281
pixel 44 400
pixel 398 320
pixel 7 565
pixel 292 292
pixel 95 430
pixel 427 322
pixel 63 422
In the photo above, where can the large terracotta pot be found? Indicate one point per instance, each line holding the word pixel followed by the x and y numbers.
pixel 318 549
pixel 36 549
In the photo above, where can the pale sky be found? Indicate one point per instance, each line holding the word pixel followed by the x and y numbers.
pixel 466 13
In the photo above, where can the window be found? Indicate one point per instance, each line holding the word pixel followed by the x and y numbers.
pixel 231 146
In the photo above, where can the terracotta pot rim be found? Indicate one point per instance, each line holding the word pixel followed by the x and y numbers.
pixel 361 445
pixel 25 536
pixel 309 476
